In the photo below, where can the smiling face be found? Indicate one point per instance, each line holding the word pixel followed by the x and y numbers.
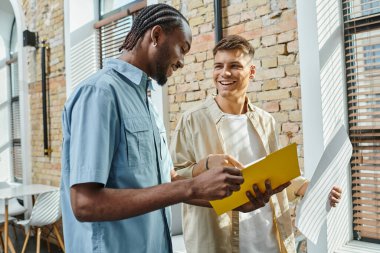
pixel 232 71
pixel 171 49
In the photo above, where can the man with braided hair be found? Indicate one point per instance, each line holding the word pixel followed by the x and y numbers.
pixel 115 184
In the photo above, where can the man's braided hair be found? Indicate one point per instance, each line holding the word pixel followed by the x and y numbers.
pixel 157 14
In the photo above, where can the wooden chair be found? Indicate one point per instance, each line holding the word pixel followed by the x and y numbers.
pixel 10 244
pixel 14 207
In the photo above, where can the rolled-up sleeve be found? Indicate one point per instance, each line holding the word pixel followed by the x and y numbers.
pixel 295 185
pixel 181 150
pixel 93 127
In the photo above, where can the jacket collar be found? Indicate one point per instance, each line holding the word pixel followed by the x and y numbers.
pixel 217 113
pixel 129 71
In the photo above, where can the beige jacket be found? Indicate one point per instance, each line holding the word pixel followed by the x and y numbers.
pixel 198 135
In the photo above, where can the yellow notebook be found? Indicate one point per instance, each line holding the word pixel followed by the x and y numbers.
pixel 279 167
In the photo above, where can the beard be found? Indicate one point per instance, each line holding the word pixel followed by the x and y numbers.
pixel 162 65
pixel 161 70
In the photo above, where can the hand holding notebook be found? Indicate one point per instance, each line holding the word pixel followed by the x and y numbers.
pixel 279 167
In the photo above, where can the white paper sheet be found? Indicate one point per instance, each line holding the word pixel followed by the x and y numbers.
pixel 314 207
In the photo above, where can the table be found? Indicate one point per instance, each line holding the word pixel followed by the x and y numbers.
pixel 20 191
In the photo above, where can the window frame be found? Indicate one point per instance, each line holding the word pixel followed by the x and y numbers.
pixel 354 25
pixel 311 59
pixel 113 17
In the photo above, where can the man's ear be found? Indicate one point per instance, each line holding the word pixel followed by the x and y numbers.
pixel 252 71
pixel 156 35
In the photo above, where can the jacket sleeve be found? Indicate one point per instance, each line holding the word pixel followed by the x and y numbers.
pixel 296 184
pixel 181 150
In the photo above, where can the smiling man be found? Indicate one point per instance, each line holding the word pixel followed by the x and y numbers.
pixel 115 178
pixel 228 130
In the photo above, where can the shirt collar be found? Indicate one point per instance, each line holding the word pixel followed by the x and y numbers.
pixel 131 72
pixel 218 114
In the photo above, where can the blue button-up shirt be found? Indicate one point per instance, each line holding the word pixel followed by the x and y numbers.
pixel 111 137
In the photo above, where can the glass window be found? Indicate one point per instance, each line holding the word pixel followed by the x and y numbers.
pixel 370 7
pixel 107 6
pixel 15 106
pixel 358 8
pixel 372 57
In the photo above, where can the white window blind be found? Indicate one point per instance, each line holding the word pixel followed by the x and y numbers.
pixel 84 61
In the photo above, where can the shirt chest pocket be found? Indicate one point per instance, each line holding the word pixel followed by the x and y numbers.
pixel 138 135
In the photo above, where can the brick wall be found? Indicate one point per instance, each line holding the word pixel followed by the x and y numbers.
pixel 271 27
pixel 46 17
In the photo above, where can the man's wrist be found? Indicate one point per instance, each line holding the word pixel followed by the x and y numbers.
pixel 191 191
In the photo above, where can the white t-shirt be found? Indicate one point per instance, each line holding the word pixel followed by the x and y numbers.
pixel 256 230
